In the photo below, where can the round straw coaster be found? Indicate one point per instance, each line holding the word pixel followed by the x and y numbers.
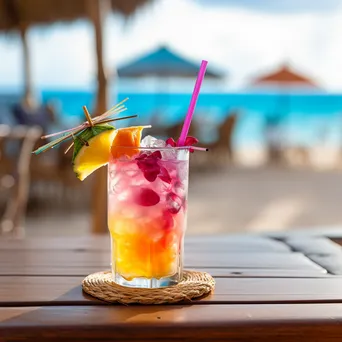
pixel 194 284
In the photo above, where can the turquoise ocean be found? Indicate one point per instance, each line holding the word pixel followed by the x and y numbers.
pixel 306 119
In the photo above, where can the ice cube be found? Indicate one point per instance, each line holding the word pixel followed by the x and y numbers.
pixel 112 171
pixel 150 141
pixel 123 195
pixel 117 185
pixel 182 170
pixel 173 203
pixel 111 174
pixel 132 211
pixel 158 143
pixel 179 188
pixel 169 154
pixel 129 169
pixel 132 173
pixel 146 142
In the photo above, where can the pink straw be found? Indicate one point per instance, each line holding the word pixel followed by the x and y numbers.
pixel 197 148
pixel 192 106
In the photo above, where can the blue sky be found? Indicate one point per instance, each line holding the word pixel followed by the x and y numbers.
pixel 278 6
pixel 243 37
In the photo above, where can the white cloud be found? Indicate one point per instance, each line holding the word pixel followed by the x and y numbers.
pixel 240 40
pixel 63 56
pixel 10 61
pixel 278 6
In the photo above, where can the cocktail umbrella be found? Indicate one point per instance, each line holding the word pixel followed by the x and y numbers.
pixel 19 15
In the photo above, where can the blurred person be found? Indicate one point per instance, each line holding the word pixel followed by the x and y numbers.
pixel 30 113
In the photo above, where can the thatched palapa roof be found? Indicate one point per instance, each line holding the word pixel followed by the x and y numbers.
pixel 32 12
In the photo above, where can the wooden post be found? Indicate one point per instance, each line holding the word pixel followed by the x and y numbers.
pixel 26 63
pixel 97 11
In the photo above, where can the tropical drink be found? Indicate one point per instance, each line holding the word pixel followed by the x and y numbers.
pixel 147 203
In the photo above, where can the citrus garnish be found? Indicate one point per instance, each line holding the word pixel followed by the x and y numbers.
pixel 93 140
pixel 126 142
pixel 92 149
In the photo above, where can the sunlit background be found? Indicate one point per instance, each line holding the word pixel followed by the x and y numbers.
pixel 270 109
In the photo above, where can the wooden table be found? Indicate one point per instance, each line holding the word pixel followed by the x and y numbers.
pixel 285 288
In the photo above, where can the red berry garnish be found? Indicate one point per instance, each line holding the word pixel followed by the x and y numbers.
pixel 151 175
pixel 171 142
pixel 189 141
pixel 147 197
pixel 149 165
pixel 141 156
pixel 164 175
pixel 156 154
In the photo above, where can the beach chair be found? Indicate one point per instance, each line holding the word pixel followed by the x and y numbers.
pixel 221 151
pixel 54 185
pixel 16 145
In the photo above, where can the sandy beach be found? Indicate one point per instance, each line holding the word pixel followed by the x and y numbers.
pixel 234 200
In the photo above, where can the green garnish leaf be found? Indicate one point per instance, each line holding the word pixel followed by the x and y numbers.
pixel 81 139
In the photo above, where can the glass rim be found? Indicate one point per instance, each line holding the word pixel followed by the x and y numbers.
pixel 166 148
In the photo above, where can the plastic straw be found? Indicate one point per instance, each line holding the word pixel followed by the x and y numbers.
pixel 197 148
pixel 192 106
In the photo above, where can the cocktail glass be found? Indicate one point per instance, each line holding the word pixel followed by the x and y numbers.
pixel 147 216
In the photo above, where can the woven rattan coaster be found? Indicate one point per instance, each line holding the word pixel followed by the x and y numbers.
pixel 194 284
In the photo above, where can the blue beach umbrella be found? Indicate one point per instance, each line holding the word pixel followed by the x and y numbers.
pixel 163 62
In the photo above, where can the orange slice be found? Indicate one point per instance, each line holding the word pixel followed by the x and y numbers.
pixel 126 142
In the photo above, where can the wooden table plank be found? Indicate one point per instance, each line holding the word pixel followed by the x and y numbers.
pixel 262 260
pixel 332 263
pixel 193 259
pixel 40 291
pixel 314 245
pixel 321 250
pixel 230 243
pixel 246 243
pixel 169 323
pixel 27 270
pixel 333 233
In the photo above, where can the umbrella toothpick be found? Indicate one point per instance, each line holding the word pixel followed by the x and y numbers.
pixel 69 148
pixel 87 115
pixel 74 132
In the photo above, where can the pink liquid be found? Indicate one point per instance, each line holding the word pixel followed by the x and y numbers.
pixel 147 202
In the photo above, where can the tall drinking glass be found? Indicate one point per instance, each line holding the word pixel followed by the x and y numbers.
pixel 147 215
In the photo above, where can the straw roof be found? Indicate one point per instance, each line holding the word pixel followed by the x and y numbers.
pixel 14 13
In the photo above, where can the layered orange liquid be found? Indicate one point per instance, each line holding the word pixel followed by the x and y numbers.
pixel 142 248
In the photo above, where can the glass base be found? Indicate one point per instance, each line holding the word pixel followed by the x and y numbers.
pixel 152 283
